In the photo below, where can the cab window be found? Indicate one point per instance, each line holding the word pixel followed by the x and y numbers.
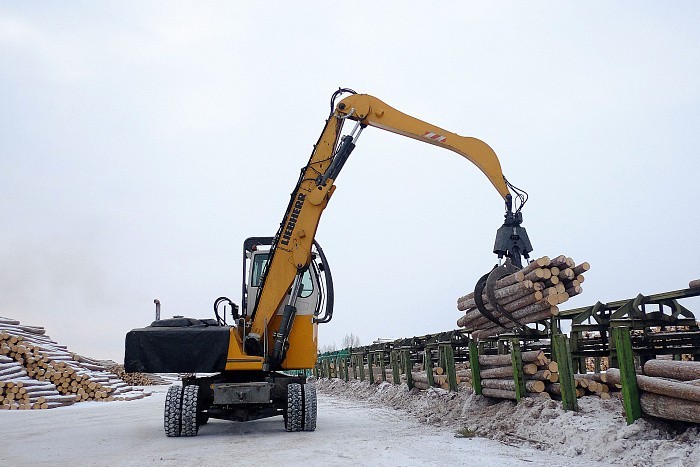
pixel 260 261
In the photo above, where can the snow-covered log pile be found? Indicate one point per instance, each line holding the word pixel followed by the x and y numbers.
pixel 529 295
pixel 668 389
pixel 38 373
pixel 136 379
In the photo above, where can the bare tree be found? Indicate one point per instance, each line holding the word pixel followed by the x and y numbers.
pixel 327 348
pixel 351 340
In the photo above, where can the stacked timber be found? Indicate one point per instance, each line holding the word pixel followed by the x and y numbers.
pixel 38 373
pixel 497 375
pixel 668 389
pixel 420 379
pixel 527 296
pixel 595 384
pixel 136 379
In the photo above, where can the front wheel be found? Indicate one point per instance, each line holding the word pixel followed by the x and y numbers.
pixel 190 424
pixel 310 407
pixel 173 410
pixel 293 420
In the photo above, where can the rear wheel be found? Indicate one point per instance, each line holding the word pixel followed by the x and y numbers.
pixel 189 410
pixel 173 411
pixel 310 407
pixel 293 420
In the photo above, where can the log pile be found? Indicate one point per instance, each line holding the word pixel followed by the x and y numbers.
pixel 420 379
pixel 668 389
pixel 38 373
pixel 497 380
pixel 595 384
pixel 136 379
pixel 529 295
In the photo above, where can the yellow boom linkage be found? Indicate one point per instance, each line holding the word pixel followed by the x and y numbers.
pixel 291 339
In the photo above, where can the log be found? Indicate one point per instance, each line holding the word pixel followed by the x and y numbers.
pixel 531 318
pixel 665 387
pixel 541 375
pixel 506 360
pixel 536 264
pixel 670 408
pixel 684 371
pixel 509 384
pixel 581 268
pixel 497 372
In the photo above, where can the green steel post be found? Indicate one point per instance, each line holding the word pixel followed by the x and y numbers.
pixel 408 366
pixel 518 378
pixel 474 365
pixel 628 375
pixel 361 363
pixel 395 372
pixel 382 365
pixel 450 370
pixel 566 372
pixel 428 365
pixel 370 370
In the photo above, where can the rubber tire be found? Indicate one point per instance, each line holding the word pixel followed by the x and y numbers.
pixel 190 394
pixel 310 407
pixel 295 407
pixel 173 410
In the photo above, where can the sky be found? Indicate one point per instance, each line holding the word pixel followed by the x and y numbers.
pixel 142 142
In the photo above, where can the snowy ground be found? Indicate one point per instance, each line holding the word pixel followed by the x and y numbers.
pixel 350 432
pixel 596 435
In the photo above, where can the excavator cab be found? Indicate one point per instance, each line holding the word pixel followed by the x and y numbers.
pixel 313 291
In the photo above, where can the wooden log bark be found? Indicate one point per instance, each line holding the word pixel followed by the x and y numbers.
pixel 542 375
pixel 684 371
pixel 679 390
pixel 505 360
pixel 581 268
pixel 669 407
pixel 542 262
pixel 497 372
pixel 509 384
pixel 531 318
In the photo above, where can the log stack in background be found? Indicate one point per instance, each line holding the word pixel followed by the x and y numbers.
pixel 529 295
pixel 38 373
pixel 668 389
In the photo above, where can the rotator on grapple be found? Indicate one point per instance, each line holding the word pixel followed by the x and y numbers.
pixel 512 242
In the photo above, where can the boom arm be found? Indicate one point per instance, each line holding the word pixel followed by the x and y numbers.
pixel 373 112
pixel 291 251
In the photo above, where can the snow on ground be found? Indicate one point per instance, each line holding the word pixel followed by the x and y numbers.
pixel 596 434
pixel 350 432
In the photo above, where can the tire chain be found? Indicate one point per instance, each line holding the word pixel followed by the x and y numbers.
pixel 189 410
pixel 294 407
pixel 310 407
pixel 171 419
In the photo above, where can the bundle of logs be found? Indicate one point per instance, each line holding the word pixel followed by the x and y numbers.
pixel 38 373
pixel 668 389
pixel 595 384
pixel 527 296
pixel 497 377
pixel 136 379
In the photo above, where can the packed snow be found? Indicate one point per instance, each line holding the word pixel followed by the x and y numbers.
pixel 597 433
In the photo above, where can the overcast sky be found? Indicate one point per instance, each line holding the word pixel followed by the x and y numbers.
pixel 142 142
